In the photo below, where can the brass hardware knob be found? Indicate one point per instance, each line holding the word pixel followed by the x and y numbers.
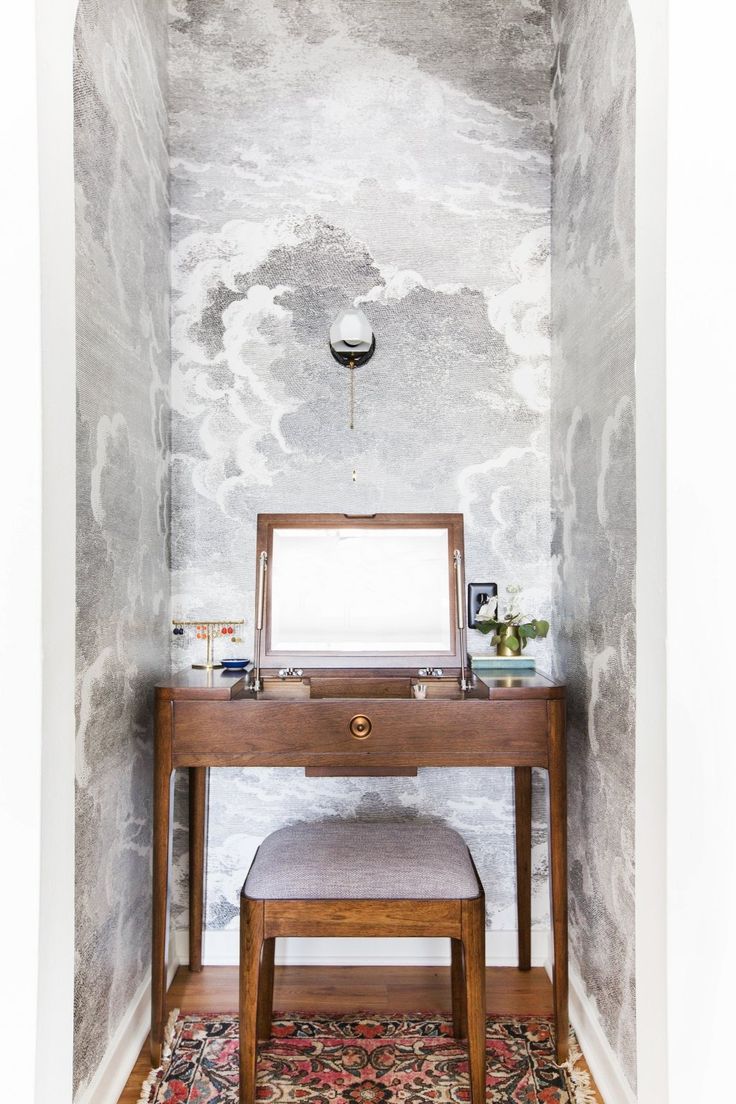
pixel 360 727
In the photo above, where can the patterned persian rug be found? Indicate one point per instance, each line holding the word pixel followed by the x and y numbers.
pixel 412 1059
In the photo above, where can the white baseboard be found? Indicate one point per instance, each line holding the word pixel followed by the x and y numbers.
pixel 604 1065
pixel 221 949
pixel 124 1047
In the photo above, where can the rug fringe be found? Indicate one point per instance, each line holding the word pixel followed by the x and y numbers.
pixel 148 1086
pixel 169 1035
pixel 582 1081
pixel 155 1077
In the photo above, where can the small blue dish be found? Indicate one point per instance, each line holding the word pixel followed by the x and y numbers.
pixel 235 664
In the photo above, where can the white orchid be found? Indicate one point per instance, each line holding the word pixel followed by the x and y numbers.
pixel 489 620
pixel 487 611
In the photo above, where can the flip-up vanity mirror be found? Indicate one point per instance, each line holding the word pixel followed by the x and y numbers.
pixel 343 600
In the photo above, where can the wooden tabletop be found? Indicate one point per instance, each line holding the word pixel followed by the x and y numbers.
pixel 221 685
pixel 535 684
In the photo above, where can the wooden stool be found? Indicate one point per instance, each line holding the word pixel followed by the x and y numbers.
pixel 355 879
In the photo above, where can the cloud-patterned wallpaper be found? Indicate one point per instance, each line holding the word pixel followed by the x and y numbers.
pixel 123 367
pixel 593 489
pixel 321 154
pixel 331 153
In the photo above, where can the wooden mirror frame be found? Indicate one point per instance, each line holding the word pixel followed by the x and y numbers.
pixel 449 661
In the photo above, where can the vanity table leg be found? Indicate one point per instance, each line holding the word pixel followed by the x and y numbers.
pixel 457 974
pixel 162 779
pixel 558 869
pixel 523 815
pixel 197 832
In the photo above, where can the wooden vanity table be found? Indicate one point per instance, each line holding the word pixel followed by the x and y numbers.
pixel 361 720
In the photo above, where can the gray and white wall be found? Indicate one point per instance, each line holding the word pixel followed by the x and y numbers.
pixel 594 492
pixel 353 153
pixel 123 368
pixel 347 154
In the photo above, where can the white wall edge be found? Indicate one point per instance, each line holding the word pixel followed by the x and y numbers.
pixel 650 28
pixel 701 531
pixel 221 949
pixel 55 1050
pixel 603 1063
pixel 122 1053
pixel 21 546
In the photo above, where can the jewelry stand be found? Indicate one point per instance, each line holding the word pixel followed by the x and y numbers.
pixel 207 630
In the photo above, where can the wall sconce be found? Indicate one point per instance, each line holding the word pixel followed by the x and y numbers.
pixel 352 344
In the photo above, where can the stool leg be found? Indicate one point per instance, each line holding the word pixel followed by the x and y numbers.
pixel 265 989
pixel 474 948
pixel 251 944
pixel 459 1026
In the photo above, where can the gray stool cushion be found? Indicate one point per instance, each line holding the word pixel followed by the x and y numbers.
pixel 353 860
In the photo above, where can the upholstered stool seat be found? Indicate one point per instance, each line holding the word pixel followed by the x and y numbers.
pixel 357 879
pixel 348 861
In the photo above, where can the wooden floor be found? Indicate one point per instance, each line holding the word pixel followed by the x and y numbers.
pixel 347 989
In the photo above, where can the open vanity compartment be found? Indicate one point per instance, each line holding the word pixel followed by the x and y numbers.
pixel 333 685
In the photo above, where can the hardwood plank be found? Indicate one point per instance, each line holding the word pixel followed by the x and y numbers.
pixel 350 989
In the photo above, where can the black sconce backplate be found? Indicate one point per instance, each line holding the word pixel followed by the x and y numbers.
pixel 356 359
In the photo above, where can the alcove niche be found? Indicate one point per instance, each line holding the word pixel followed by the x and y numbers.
pixel 243 172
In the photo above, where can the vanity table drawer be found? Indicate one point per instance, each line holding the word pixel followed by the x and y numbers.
pixel 360 731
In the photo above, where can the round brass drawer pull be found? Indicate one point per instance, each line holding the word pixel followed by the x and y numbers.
pixel 360 727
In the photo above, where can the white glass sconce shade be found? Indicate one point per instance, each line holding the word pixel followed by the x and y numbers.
pixel 351 332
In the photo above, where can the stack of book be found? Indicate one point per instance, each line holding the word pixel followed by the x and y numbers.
pixel 488 662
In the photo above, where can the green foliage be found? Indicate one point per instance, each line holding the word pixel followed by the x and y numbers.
pixel 534 629
pixel 530 630
pixel 527 628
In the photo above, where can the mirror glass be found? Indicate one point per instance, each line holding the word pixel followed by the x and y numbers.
pixel 359 590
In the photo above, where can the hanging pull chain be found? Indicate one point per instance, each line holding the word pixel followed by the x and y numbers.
pixel 351 369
